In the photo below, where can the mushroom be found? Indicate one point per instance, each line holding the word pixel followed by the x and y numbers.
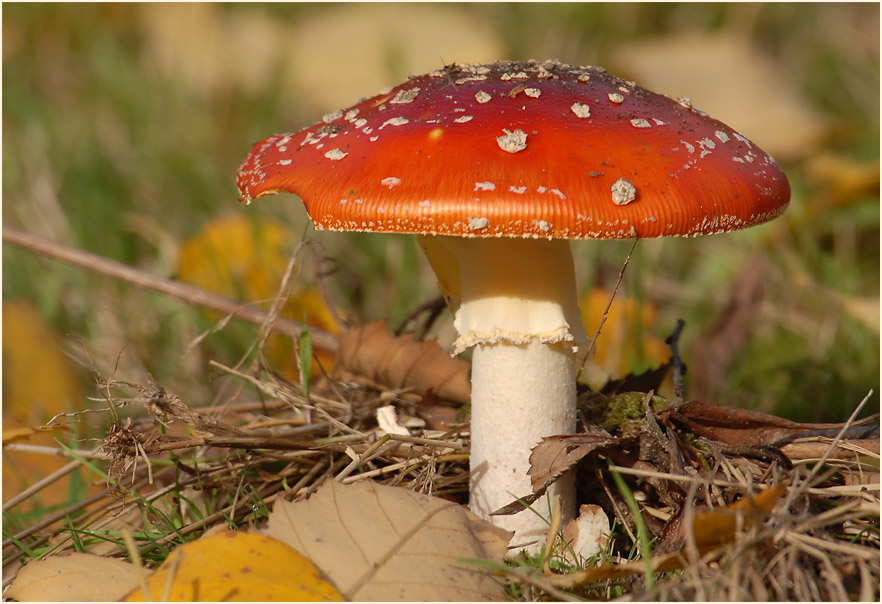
pixel 494 167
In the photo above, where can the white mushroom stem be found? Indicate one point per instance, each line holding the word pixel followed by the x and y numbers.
pixel 519 310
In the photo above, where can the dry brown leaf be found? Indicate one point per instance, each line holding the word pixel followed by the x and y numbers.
pixel 864 309
pixel 840 180
pixel 558 454
pixel 403 362
pixel 74 578
pixel 381 543
pixel 716 527
pixel 713 528
pixel 743 428
pixel 199 45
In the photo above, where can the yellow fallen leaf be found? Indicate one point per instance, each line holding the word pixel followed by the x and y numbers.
pixel 626 341
pixel 16 434
pixel 239 567
pixel 390 544
pixel 74 578
pixel 246 259
pixel 38 379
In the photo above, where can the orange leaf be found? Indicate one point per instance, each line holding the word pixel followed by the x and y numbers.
pixel 716 527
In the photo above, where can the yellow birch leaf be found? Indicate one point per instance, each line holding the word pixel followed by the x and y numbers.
pixel 236 566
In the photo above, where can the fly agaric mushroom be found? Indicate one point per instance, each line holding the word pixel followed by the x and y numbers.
pixel 494 167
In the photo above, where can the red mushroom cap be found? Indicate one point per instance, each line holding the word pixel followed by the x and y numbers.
pixel 521 149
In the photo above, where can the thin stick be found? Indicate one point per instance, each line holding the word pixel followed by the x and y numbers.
pixel 40 485
pixel 182 291
pixel 56 517
pixel 593 346
pixel 46 450
pixel 803 486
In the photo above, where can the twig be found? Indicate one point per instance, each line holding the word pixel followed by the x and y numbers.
pixel 804 485
pixel 41 484
pixel 673 341
pixel 593 346
pixel 45 450
pixel 56 517
pixel 182 291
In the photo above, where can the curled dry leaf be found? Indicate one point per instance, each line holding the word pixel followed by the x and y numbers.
pixel 742 428
pixel 558 454
pixel 586 534
pixel 381 543
pixel 403 362
pixel 74 578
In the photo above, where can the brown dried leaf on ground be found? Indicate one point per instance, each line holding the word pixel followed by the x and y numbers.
pixel 74 578
pixel 712 528
pixel 558 454
pixel 403 362
pixel 380 543
pixel 742 428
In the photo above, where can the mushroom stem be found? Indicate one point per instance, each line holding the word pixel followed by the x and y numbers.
pixel 512 411
pixel 519 309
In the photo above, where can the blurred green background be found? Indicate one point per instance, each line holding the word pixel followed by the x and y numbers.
pixel 124 126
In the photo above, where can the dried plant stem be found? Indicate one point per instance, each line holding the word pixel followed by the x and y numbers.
pixel 56 517
pixel 46 450
pixel 182 291
pixel 40 485
pixel 132 549
pixel 593 346
pixel 803 486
